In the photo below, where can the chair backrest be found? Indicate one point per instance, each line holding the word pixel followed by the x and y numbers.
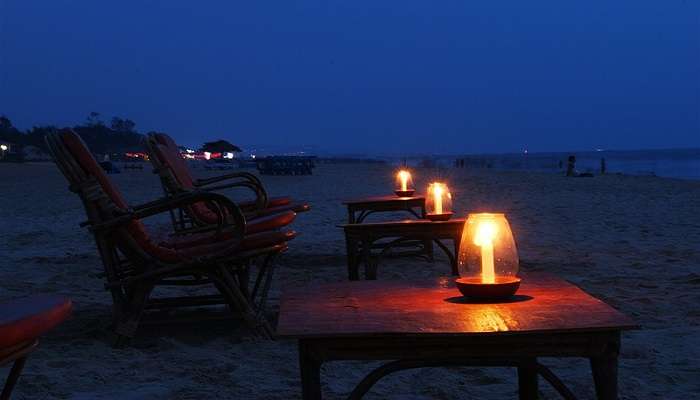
pixel 101 199
pixel 175 174
pixel 169 164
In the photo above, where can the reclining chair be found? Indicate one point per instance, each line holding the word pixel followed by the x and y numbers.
pixel 176 179
pixel 135 263
pixel 22 322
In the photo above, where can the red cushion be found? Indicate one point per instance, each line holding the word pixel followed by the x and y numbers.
pixel 136 229
pixel 295 207
pixel 266 239
pixel 202 244
pixel 271 202
pixel 176 164
pixel 269 222
pixel 26 319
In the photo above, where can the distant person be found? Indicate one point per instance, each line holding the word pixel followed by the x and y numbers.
pixel 571 166
pixel 571 169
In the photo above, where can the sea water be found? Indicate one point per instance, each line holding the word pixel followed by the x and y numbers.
pixel 674 163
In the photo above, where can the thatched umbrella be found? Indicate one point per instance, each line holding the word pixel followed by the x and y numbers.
pixel 221 146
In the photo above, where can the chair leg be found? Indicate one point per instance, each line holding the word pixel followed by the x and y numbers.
pixel 266 272
pixel 241 304
pixel 126 326
pixel 12 378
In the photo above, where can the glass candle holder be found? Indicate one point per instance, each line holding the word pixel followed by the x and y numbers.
pixel 403 186
pixel 488 258
pixel 438 202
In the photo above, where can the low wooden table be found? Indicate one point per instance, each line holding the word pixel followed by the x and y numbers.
pixel 415 205
pixel 428 324
pixel 360 241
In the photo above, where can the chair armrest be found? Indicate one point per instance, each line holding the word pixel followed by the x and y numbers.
pixel 235 175
pixel 260 193
pixel 232 221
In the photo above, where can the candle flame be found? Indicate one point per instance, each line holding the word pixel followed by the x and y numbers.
pixel 403 176
pixel 438 190
pixel 485 234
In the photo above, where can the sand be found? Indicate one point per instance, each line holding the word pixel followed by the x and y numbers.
pixel 631 241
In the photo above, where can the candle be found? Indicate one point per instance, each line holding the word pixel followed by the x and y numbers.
pixel 437 193
pixel 485 233
pixel 403 175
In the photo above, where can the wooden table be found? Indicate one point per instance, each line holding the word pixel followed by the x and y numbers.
pixel 360 240
pixel 415 205
pixel 428 324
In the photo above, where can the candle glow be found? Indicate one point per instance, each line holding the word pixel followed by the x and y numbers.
pixel 437 193
pixel 485 234
pixel 403 176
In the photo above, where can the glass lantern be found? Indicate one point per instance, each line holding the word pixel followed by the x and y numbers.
pixel 404 184
pixel 438 202
pixel 488 258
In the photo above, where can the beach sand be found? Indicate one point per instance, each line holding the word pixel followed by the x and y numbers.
pixel 634 242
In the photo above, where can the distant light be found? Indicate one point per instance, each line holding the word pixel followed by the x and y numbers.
pixel 599 149
pixel 525 151
pixel 207 155
pixel 228 155
pixel 190 151
pixel 252 156
pixel 3 147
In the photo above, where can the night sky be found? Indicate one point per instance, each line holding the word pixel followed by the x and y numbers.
pixel 376 77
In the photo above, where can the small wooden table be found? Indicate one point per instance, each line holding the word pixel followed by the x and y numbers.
pixel 370 205
pixel 428 324
pixel 360 240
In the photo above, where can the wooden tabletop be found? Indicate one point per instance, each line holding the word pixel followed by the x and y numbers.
pixel 544 303
pixel 384 199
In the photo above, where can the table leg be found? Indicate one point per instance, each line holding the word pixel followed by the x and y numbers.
pixel 527 381
pixel 370 264
pixel 310 373
pixel 351 215
pixel 13 377
pixel 428 250
pixel 604 370
pixel 353 264
pixel 456 243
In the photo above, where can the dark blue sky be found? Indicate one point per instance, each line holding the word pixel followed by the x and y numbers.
pixel 352 76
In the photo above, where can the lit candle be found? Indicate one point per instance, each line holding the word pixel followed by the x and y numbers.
pixel 403 175
pixel 485 233
pixel 437 193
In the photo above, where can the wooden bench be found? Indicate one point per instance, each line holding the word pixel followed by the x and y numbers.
pixel 359 209
pixel 362 239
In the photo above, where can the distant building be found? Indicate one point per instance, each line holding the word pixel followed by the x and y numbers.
pixel 10 151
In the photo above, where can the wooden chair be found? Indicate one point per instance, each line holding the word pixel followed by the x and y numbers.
pixel 22 322
pixel 135 263
pixel 176 178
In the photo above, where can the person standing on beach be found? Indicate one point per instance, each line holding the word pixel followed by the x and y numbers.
pixel 571 166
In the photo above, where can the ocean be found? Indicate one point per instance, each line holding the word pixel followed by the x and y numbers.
pixel 672 163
